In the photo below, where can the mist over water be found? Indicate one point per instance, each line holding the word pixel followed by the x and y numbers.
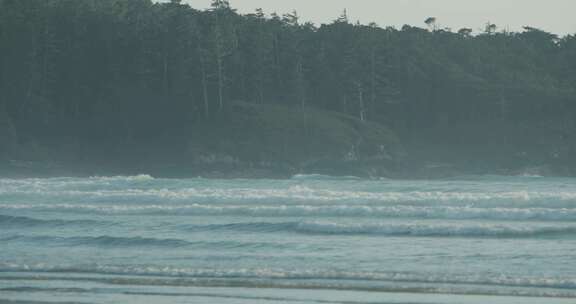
pixel 475 239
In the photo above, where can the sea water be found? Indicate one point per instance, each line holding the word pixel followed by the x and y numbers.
pixel 309 239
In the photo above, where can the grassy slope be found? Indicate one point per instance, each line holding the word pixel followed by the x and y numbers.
pixel 309 140
pixel 247 140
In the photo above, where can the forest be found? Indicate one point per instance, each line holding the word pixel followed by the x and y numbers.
pixel 131 85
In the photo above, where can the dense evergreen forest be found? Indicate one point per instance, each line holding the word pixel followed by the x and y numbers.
pixel 135 83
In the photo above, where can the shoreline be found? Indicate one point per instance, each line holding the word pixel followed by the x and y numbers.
pixel 22 170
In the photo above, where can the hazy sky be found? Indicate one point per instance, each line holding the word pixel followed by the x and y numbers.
pixel 557 16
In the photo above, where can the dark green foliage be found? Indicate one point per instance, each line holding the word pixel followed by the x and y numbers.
pixel 108 79
pixel 286 134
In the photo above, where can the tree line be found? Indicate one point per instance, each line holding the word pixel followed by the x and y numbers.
pixel 105 75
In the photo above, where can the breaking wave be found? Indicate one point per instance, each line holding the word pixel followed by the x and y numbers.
pixel 8 221
pixel 301 194
pixel 436 230
pixel 480 235
pixel 322 177
pixel 139 177
pixel 312 278
pixel 393 229
pixel 322 210
pixel 101 241
pixel 137 242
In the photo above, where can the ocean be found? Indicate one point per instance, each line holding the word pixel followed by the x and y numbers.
pixel 308 239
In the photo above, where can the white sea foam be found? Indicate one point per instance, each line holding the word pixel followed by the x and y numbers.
pixel 323 210
pixel 440 230
pixel 321 177
pixel 317 276
pixel 145 189
pixel 305 194
pixel 513 236
pixel 396 229
pixel 139 177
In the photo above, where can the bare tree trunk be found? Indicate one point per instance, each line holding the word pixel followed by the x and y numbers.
pixel 361 101
pixel 44 79
pixel 220 55
pixel 31 76
pixel 277 76
pixel 165 74
pixel 260 79
pixel 243 89
pixel 204 85
pixel 11 132
pixel 503 103
pixel 261 63
pixel 372 78
pixel 220 63
pixel 302 90
pixel 260 91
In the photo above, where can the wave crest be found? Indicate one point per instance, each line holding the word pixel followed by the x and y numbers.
pixel 8 221
pixel 393 229
pixel 321 177
pixel 139 177
pixel 337 210
pixel 100 241
pixel 317 278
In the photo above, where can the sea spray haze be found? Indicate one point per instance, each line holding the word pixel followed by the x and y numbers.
pixel 314 238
